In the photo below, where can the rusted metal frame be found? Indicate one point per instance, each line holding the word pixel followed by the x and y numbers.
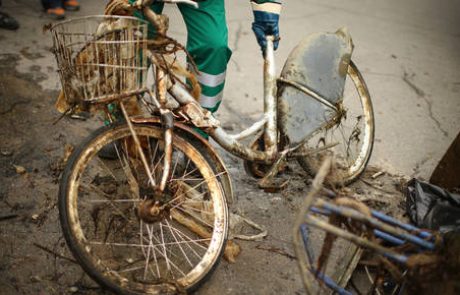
pixel 225 140
pixel 328 281
pixel 252 130
pixel 83 20
pixel 178 129
pixel 111 66
pixel 374 223
pixel 229 143
pixel 267 180
pixel 303 261
pixel 112 97
pixel 378 233
pixel 325 226
pixel 408 227
pixel 138 145
pixel 293 153
pixel 183 97
pixel 270 100
pixel 167 122
pixel 237 148
pixel 310 92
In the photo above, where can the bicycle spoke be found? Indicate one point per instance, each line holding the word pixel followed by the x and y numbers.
pixel 108 197
pixel 179 244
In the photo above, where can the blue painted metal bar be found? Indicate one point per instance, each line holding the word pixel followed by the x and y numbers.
pixel 388 237
pixel 408 227
pixel 355 214
pixel 330 283
pixel 304 233
pixel 378 233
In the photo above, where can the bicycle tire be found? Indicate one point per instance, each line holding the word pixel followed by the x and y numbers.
pixel 102 265
pixel 345 173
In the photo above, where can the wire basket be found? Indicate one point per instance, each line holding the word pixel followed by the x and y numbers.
pixel 101 58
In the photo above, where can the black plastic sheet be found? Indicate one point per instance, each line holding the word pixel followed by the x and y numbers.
pixel 432 207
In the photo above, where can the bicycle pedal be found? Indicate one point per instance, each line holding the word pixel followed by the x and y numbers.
pixel 273 186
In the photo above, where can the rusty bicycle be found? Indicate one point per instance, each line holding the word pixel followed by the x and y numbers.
pixel 410 259
pixel 153 218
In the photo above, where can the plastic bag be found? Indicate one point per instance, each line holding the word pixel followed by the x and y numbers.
pixel 432 207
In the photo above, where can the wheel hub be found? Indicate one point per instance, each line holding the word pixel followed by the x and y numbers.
pixel 154 210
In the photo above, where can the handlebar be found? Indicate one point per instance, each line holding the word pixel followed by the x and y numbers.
pixel 160 22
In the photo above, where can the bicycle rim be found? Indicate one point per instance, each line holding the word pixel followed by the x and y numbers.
pixel 350 138
pixel 108 224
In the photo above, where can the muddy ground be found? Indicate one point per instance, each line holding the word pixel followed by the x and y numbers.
pixel 34 258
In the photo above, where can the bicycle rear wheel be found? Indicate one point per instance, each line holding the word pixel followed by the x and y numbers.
pixel 127 236
pixel 350 137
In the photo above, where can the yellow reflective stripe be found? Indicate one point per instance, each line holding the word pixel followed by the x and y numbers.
pixel 211 80
pixel 211 101
pixel 267 7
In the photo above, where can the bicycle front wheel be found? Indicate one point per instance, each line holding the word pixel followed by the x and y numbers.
pixel 125 234
pixel 350 137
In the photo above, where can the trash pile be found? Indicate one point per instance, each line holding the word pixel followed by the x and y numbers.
pixel 388 255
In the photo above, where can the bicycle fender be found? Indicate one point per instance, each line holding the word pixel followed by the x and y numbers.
pixel 319 63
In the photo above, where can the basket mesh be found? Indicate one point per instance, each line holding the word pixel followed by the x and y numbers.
pixel 101 58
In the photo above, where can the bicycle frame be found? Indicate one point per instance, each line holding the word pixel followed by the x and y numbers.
pixel 393 232
pixel 268 123
pixel 192 111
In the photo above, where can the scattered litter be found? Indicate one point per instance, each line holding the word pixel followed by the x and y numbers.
pixel 237 223
pixel 35 216
pixel 83 116
pixel 432 207
pixel 375 175
pixel 6 153
pixel 73 289
pixel 35 279
pixel 19 169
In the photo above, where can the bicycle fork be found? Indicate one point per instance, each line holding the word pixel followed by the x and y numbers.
pixel 167 122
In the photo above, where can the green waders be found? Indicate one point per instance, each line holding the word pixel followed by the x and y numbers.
pixel 207 43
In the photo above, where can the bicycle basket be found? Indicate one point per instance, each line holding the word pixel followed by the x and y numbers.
pixel 101 58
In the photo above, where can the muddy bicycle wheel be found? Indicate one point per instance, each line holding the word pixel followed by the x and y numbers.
pixel 350 137
pixel 126 235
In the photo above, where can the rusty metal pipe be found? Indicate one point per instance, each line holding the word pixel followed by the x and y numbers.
pixel 168 132
pixel 310 92
pixel 255 128
pixel 236 148
pixel 270 105
pixel 138 144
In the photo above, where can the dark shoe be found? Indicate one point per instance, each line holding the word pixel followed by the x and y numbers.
pixel 71 5
pixel 7 22
pixel 56 13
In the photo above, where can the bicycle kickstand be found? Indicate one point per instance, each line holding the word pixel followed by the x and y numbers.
pixel 268 182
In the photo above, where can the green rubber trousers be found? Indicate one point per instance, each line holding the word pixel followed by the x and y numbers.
pixel 207 43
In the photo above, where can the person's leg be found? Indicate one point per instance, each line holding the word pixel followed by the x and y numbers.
pixel 207 43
